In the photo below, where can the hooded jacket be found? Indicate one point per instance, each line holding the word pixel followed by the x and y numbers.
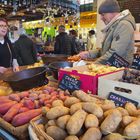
pixel 119 38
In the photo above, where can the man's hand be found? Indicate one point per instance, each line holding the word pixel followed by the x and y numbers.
pixel 84 54
pixel 16 68
pixel 2 69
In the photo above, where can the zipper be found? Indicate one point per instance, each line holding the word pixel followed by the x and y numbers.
pixel 10 55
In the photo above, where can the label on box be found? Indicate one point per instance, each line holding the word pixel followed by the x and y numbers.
pixel 136 62
pixel 120 100
pixel 70 83
pixel 117 61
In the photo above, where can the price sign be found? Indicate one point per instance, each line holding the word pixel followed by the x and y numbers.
pixel 70 83
pixel 120 100
pixel 117 61
pixel 136 62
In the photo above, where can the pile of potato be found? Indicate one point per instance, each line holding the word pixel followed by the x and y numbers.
pixel 83 117
pixel 100 69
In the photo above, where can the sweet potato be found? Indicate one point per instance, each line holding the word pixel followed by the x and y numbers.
pixel 29 104
pixel 70 101
pixel 111 122
pixel 62 121
pixel 56 133
pixel 12 112
pixel 76 122
pixel 92 134
pixel 57 111
pixel 23 109
pixel 14 97
pixel 72 138
pixel 91 121
pixel 25 117
pixel 75 107
pixel 114 136
pixel 133 129
pixel 93 109
pixel 5 107
pixel 3 101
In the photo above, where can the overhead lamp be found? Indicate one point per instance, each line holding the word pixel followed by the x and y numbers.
pixel 14 13
pixel 23 20
pixel 34 11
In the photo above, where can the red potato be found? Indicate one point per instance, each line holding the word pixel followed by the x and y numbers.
pixel 54 97
pixel 48 105
pixel 53 93
pixel 47 102
pixel 37 105
pixel 23 109
pixel 12 112
pixel 29 104
pixel 63 98
pixel 5 107
pixel 45 91
pixel 42 96
pixel 25 117
pixel 24 94
pixel 33 96
pixel 61 93
pixel 50 89
pixel 42 100
pixel 14 97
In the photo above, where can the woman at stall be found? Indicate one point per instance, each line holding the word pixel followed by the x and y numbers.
pixel 7 55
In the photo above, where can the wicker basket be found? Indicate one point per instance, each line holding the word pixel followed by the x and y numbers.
pixel 20 132
pixel 38 132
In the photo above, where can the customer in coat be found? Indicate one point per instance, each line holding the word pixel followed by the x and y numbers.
pixel 63 43
pixel 25 49
pixel 119 33
pixel 7 55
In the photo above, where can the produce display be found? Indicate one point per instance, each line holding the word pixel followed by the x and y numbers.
pixel 74 58
pixel 19 108
pixel 83 117
pixel 131 76
pixel 100 69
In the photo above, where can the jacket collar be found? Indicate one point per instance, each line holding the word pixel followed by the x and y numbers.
pixel 115 19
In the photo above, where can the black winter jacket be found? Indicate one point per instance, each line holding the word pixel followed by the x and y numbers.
pixel 25 51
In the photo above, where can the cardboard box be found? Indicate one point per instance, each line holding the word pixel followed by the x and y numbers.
pixel 110 83
pixel 89 83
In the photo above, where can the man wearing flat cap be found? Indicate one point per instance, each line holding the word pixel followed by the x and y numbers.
pixel 119 33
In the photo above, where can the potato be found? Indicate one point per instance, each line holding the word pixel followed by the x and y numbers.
pixel 123 111
pixel 75 107
pixel 57 103
pixel 114 136
pixel 56 112
pixel 51 122
pixel 92 134
pixel 91 121
pixel 62 121
pixel 111 122
pixel 76 122
pixel 93 108
pixel 108 104
pixel 56 133
pixel 84 96
pixel 106 113
pixel 70 101
pixel 133 129
pixel 71 138
pixel 127 120
pixel 131 108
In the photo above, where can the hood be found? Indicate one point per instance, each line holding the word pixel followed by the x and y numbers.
pixel 124 15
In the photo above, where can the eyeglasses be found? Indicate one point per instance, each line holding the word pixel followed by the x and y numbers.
pixel 3 26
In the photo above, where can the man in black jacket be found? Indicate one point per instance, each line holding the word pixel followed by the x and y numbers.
pixel 25 50
pixel 63 44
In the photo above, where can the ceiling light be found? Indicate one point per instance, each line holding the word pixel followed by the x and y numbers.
pixel 14 13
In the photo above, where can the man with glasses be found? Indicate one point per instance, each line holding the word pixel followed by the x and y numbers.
pixel 7 55
pixel 119 33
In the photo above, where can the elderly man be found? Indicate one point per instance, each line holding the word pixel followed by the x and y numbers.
pixel 119 33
